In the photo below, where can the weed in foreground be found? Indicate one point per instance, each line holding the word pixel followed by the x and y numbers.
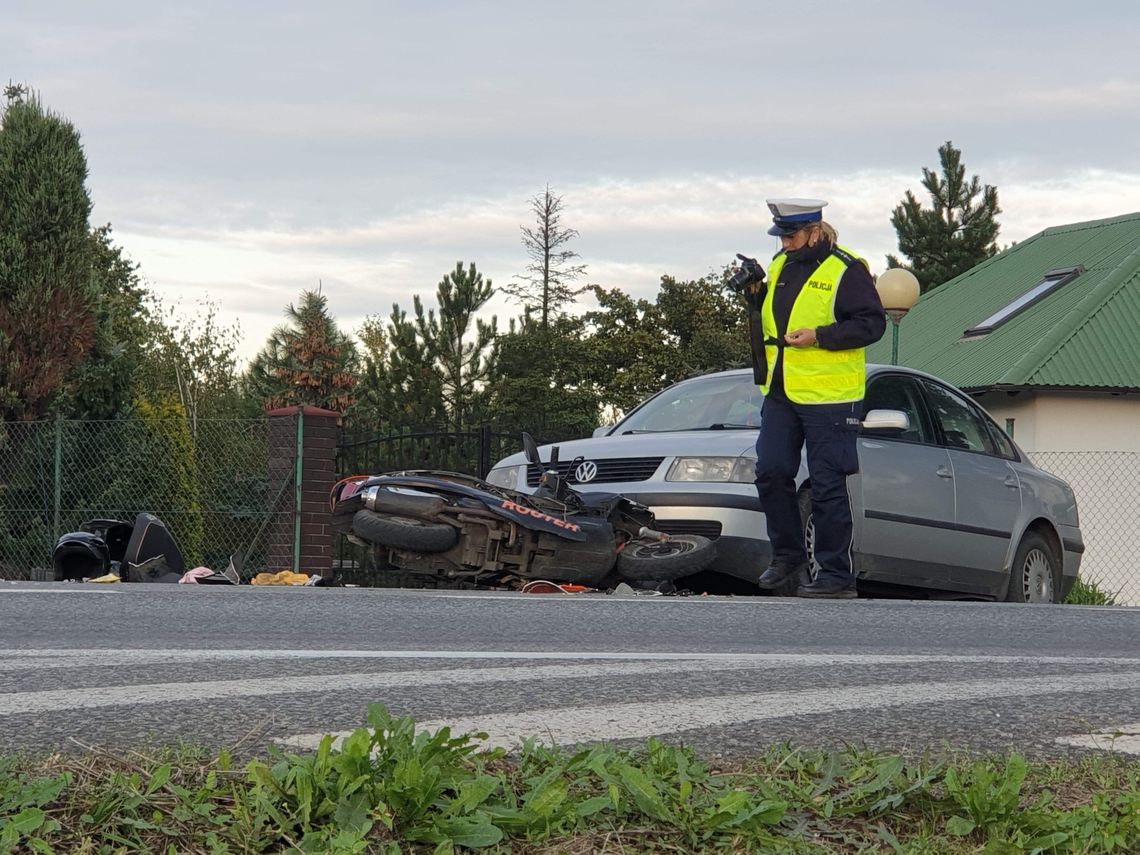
pixel 389 788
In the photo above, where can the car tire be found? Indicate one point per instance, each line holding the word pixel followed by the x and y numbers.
pixel 403 532
pixel 664 561
pixel 1035 573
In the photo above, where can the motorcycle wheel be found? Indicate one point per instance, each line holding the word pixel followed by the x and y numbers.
pixel 404 532
pixel 661 561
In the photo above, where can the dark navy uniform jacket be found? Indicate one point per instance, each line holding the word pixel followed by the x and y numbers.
pixel 859 317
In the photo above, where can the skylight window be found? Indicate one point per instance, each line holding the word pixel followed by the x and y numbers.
pixel 1049 283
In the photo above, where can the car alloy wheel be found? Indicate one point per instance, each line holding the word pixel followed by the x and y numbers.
pixel 1035 572
pixel 1037 577
pixel 809 534
pixel 809 544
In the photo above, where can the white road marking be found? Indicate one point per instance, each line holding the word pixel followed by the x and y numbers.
pixel 565 725
pixel 98 589
pixel 569 725
pixel 38 660
pixel 1124 738
pixel 17 703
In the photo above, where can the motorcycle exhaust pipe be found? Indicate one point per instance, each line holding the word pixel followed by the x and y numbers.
pixel 401 504
pixel 650 534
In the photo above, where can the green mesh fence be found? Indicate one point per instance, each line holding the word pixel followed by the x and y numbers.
pixel 1109 506
pixel 207 482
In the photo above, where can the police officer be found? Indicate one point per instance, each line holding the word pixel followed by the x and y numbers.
pixel 818 314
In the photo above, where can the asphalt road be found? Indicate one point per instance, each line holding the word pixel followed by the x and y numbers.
pixel 125 666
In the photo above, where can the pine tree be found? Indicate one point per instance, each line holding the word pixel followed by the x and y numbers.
pixel 307 361
pixel 546 286
pixel 435 365
pixel 958 231
pixel 47 293
pixel 400 386
pixel 465 362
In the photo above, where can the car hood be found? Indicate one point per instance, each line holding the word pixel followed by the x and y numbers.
pixel 690 443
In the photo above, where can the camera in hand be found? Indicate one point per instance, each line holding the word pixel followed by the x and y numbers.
pixel 749 274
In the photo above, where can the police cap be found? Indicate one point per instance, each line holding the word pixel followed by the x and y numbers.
pixel 791 215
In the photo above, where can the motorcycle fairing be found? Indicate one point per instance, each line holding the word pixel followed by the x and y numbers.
pixel 510 506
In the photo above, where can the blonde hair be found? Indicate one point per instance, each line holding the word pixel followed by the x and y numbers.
pixel 827 231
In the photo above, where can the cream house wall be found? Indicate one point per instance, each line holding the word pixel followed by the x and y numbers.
pixel 1068 421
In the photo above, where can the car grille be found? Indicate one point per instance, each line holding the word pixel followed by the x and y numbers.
pixel 609 471
pixel 705 528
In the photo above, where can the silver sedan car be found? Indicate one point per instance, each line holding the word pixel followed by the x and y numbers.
pixel 944 501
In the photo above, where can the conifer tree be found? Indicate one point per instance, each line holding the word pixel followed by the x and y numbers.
pixel 958 231
pixel 401 385
pixel 307 361
pixel 463 344
pixel 47 325
pixel 436 364
pixel 73 321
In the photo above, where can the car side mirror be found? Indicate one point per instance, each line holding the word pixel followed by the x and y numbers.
pixel 603 430
pixel 886 420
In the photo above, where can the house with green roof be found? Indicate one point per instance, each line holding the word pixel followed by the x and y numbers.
pixel 1046 336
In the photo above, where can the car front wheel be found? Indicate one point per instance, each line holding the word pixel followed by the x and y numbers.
pixel 1033 576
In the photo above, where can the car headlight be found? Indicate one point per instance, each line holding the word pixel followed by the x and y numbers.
pixel 740 470
pixel 507 477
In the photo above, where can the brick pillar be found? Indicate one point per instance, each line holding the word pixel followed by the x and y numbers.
pixel 318 433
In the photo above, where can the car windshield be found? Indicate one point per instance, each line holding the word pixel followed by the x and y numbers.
pixel 708 403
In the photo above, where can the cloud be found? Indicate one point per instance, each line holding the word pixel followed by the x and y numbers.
pixel 1106 95
pixel 249 151
pixel 631 233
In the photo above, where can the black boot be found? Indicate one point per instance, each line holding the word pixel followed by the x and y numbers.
pixel 779 572
pixel 828 589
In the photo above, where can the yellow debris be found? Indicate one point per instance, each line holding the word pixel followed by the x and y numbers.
pixel 110 577
pixel 285 577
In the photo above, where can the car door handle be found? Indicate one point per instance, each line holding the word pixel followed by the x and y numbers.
pixel 1011 482
pixel 944 472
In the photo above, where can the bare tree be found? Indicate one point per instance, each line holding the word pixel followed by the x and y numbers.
pixel 546 285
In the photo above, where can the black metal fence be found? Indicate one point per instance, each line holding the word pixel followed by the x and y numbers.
pixel 472 450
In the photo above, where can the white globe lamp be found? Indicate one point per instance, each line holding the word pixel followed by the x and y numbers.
pixel 898 290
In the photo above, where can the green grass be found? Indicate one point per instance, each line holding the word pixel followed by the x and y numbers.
pixel 390 788
pixel 1089 594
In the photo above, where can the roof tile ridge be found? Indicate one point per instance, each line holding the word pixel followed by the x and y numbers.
pixel 1045 349
pixel 1085 225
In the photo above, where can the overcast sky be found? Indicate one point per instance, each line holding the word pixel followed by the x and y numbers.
pixel 246 151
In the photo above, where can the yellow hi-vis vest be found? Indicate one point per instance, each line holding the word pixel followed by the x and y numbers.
pixel 813 375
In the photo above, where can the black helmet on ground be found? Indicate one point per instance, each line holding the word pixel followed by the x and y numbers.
pixel 80 555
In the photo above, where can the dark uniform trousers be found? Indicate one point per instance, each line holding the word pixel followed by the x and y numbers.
pixel 831 431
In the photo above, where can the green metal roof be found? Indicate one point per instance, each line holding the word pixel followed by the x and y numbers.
pixel 1086 334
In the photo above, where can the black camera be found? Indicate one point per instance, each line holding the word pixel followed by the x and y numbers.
pixel 749 274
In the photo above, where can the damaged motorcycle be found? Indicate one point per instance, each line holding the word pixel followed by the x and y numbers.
pixel 452 526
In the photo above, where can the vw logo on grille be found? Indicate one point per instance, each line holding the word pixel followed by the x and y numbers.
pixel 587 471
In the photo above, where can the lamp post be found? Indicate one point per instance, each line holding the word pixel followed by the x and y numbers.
pixel 898 289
